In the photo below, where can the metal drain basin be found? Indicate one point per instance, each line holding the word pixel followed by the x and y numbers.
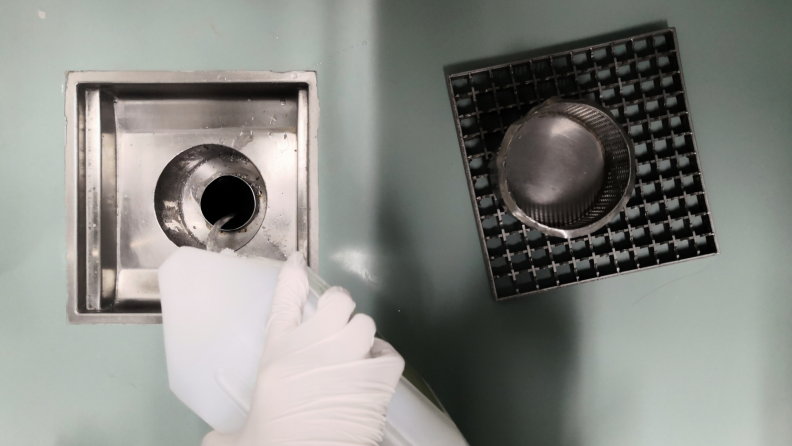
pixel 153 159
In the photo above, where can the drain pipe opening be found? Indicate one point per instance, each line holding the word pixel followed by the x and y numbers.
pixel 228 195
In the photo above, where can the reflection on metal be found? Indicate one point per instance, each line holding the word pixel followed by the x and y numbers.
pixel 93 199
pixel 302 172
pixel 125 133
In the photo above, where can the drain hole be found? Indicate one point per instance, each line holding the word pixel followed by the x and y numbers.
pixel 228 195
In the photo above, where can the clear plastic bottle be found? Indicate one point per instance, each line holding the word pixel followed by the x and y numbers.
pixel 214 312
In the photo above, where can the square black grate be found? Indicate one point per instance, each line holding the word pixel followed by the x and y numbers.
pixel 667 219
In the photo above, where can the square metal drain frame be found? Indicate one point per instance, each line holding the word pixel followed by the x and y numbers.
pixel 122 130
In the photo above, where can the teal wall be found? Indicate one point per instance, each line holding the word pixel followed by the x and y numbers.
pixel 698 353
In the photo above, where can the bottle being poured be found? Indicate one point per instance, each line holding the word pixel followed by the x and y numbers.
pixel 266 353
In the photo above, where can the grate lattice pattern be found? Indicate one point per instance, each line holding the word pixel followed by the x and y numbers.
pixel 667 219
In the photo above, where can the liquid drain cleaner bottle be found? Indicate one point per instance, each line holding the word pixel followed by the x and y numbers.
pixel 214 312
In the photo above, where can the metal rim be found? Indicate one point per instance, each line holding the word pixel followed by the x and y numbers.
pixel 502 189
pixel 180 188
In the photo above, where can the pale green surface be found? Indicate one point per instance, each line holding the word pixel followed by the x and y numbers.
pixel 693 354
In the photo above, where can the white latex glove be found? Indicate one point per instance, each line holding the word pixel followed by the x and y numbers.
pixel 326 381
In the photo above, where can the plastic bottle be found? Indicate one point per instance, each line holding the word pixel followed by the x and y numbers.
pixel 214 312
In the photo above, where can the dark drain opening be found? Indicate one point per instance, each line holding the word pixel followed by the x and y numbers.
pixel 228 195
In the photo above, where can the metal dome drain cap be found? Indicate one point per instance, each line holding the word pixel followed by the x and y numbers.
pixel 566 168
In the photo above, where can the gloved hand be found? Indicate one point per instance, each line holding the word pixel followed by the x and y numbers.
pixel 325 381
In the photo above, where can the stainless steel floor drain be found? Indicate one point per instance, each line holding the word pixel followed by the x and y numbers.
pixel 142 151
pixel 667 218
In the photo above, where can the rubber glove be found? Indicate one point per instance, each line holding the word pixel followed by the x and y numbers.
pixel 325 381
